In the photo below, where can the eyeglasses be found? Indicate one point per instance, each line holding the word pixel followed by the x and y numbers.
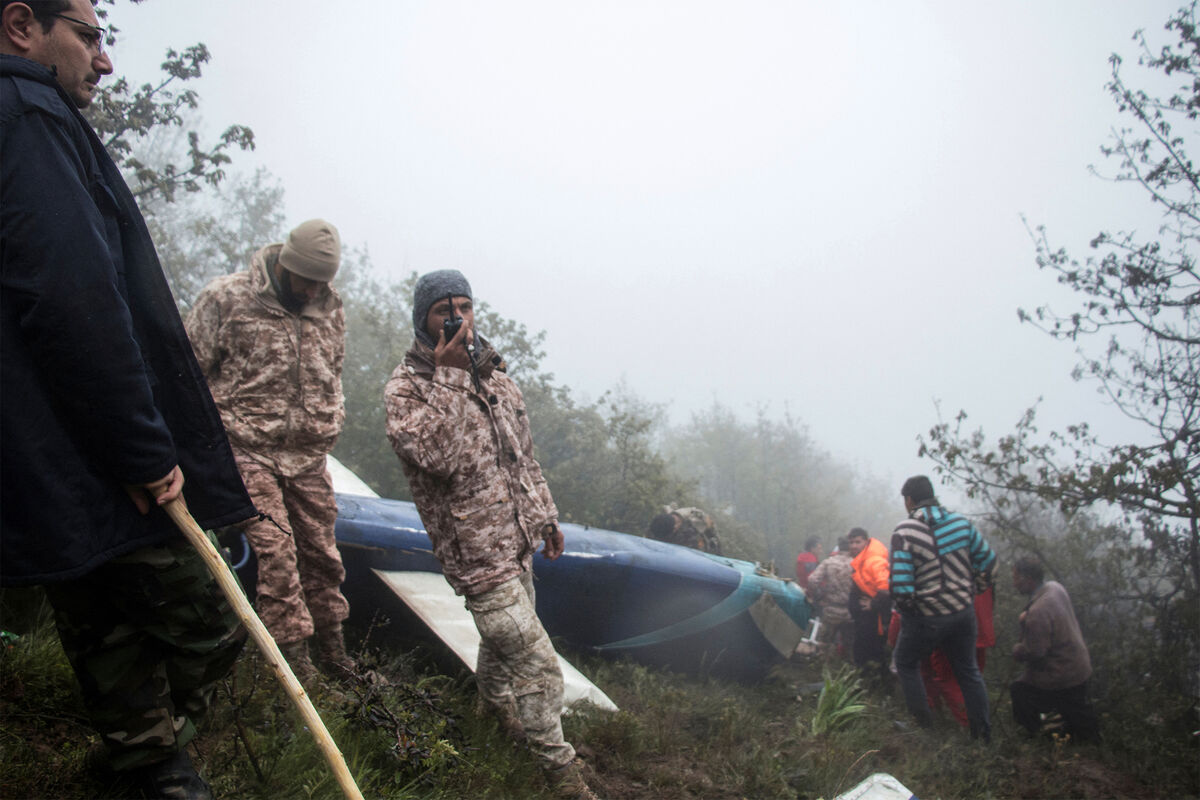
pixel 95 37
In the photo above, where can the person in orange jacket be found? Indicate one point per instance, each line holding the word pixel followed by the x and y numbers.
pixel 870 601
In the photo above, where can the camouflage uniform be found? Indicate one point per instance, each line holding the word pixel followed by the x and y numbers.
pixel 148 634
pixel 829 589
pixel 695 529
pixel 299 577
pixel 277 379
pixel 468 456
pixel 518 669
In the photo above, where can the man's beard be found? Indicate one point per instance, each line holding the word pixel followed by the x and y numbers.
pixel 282 284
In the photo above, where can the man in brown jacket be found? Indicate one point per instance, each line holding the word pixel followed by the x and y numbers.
pixel 1057 664
pixel 458 424
pixel 271 341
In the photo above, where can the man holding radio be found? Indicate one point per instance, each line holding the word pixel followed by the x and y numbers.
pixel 458 424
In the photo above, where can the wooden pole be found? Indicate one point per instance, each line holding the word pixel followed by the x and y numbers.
pixel 237 598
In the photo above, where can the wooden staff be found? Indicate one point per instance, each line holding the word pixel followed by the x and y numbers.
pixel 237 598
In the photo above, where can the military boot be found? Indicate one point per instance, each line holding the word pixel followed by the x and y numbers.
pixel 296 655
pixel 173 779
pixel 331 654
pixel 567 782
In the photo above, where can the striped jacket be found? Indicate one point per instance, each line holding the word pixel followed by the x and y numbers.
pixel 939 562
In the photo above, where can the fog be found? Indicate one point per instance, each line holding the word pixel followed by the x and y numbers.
pixel 810 208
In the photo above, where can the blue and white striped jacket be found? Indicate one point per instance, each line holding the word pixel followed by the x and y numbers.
pixel 939 562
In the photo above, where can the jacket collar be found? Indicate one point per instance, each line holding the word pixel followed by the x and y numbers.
pixel 20 67
pixel 927 511
pixel 1036 594
pixel 874 549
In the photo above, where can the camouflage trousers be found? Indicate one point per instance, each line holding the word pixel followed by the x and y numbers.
pixel 518 667
pixel 148 634
pixel 300 570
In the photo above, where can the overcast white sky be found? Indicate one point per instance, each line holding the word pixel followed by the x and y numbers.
pixel 811 206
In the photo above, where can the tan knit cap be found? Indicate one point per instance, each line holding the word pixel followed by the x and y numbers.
pixel 313 250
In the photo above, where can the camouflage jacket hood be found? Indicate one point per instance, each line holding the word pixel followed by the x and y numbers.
pixel 468 457
pixel 276 376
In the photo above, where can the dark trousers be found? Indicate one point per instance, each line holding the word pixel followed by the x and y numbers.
pixel 870 637
pixel 1029 703
pixel 954 635
pixel 147 634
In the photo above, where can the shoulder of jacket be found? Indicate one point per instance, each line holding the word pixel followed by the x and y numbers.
pixel 911 524
pixel 22 95
pixel 408 379
pixel 225 288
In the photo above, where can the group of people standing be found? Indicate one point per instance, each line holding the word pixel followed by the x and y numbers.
pixel 110 402
pixel 930 596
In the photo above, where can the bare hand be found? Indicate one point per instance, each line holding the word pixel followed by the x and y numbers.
pixel 164 490
pixel 864 603
pixel 554 541
pixel 454 352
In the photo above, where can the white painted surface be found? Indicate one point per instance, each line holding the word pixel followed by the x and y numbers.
pixel 345 481
pixel 879 786
pixel 432 599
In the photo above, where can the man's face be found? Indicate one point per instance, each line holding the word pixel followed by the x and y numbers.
pixel 295 291
pixel 73 49
pixel 857 544
pixel 305 287
pixel 439 312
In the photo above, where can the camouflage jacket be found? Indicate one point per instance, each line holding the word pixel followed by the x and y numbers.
pixel 468 456
pixel 276 376
pixel 829 587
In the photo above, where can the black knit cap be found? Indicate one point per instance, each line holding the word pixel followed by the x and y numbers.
pixel 431 287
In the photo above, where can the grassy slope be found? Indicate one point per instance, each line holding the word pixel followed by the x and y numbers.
pixel 675 737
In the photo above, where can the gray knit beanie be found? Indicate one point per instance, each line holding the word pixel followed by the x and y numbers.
pixel 313 250
pixel 431 287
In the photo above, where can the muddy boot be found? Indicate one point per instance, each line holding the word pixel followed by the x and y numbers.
pixel 296 655
pixel 567 782
pixel 331 655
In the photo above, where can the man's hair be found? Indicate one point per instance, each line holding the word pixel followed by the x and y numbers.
pixel 917 488
pixel 43 10
pixel 812 542
pixel 857 533
pixel 662 525
pixel 843 543
pixel 1030 567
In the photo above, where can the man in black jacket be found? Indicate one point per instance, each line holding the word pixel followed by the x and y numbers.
pixel 103 411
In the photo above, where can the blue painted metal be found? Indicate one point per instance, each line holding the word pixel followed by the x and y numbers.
pixel 610 592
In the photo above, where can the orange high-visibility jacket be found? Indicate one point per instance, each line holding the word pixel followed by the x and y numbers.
pixel 870 568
